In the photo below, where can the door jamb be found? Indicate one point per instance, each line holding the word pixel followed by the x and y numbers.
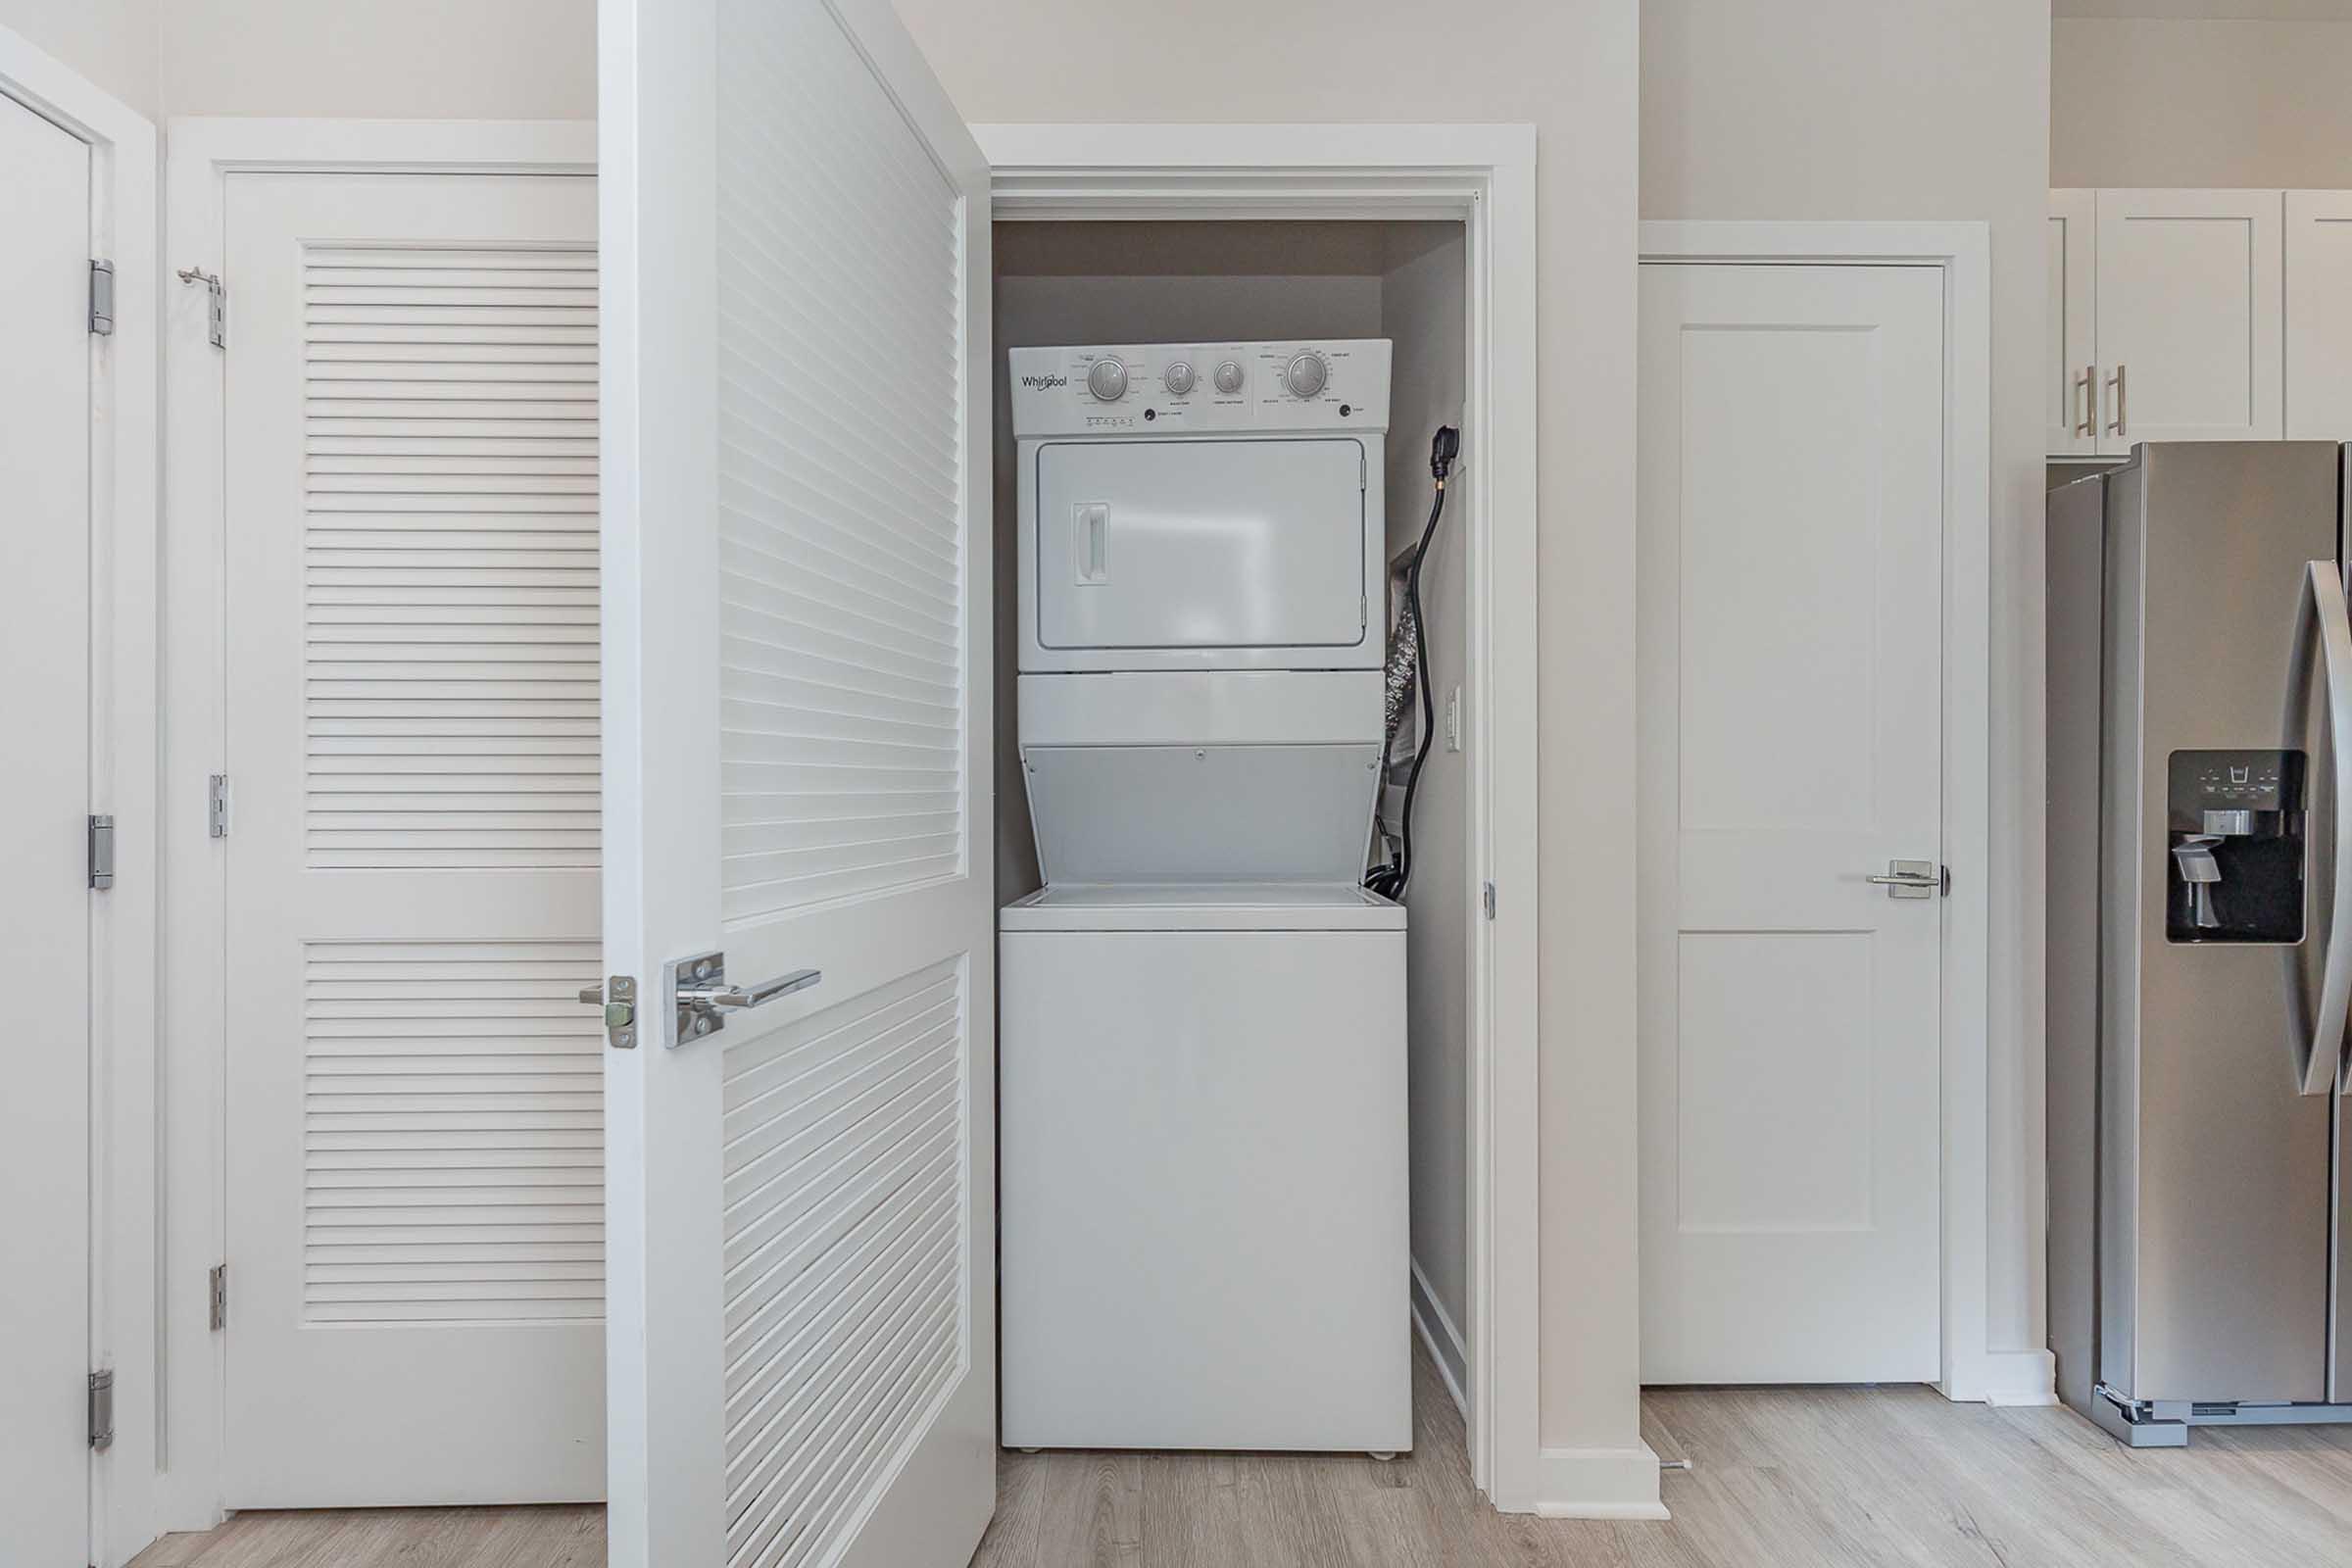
pixel 123 775
pixel 190 1196
pixel 1969 1369
pixel 1484 177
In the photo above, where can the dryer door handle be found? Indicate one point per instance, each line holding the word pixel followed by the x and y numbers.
pixel 1091 542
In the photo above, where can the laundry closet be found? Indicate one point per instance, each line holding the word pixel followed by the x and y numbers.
pixel 1232 1090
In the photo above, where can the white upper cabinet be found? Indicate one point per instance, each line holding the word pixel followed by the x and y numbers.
pixel 2192 328
pixel 2319 315
pixel 2070 367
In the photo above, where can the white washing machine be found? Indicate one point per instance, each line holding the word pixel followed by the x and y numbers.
pixel 1203 1223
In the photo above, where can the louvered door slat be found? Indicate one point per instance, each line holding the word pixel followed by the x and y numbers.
pixel 479 505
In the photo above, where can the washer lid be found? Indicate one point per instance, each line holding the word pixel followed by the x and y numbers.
pixel 1201 907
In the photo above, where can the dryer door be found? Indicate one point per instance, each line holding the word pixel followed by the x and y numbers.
pixel 1201 544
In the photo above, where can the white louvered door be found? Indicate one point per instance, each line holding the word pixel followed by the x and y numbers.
pixel 797 770
pixel 415 1107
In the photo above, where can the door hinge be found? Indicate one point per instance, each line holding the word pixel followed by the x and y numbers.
pixel 102 851
pixel 217 805
pixel 217 1284
pixel 102 1408
pixel 218 318
pixel 1489 898
pixel 101 297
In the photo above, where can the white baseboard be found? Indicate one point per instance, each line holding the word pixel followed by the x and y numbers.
pixel 1444 1341
pixel 2019 1377
pixel 1599 1484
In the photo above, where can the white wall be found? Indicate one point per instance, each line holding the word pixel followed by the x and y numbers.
pixel 1935 109
pixel 111 42
pixel 2202 103
pixel 1569 67
pixel 389 59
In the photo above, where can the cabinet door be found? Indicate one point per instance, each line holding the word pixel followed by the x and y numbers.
pixel 2192 328
pixel 2070 376
pixel 2319 315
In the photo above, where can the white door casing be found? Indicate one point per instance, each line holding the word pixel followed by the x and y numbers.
pixel 2190 324
pixel 45 924
pixel 797 733
pixel 413 1204
pixel 1791 520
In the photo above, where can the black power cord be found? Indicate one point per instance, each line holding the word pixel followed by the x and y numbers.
pixel 1389 880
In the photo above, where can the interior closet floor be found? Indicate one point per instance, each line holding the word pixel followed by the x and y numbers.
pixel 1846 1476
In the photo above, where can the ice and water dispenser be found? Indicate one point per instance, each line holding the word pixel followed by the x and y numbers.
pixel 2235 828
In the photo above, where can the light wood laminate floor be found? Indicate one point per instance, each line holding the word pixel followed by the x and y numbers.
pixel 1781 1478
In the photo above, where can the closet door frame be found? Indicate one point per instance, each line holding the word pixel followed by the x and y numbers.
pixel 190 1212
pixel 123 1297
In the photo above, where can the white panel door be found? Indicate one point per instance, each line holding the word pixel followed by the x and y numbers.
pixel 1789 662
pixel 797 771
pixel 2319 315
pixel 414 1200
pixel 44 796
pixel 2070 373
pixel 2190 324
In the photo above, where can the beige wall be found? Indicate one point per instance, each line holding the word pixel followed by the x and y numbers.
pixel 341 59
pixel 387 59
pixel 1568 67
pixel 1934 109
pixel 2202 103
pixel 111 42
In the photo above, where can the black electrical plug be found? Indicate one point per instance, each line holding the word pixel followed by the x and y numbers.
pixel 1443 448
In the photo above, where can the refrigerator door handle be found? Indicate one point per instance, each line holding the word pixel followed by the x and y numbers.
pixel 2322 615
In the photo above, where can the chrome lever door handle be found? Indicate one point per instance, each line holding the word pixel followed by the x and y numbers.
pixel 766 991
pixel 699 995
pixel 1910 879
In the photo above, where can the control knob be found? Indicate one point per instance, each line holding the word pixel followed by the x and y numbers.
pixel 1178 378
pixel 1107 380
pixel 1229 377
pixel 1306 374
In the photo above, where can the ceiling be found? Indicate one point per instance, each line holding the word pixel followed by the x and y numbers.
pixel 2270 10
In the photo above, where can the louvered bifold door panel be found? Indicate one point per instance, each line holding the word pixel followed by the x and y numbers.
pixel 841 503
pixel 449 556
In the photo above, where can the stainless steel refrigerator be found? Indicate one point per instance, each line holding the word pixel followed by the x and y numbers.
pixel 2200 939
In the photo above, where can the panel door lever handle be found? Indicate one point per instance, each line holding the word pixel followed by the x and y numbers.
pixel 766 991
pixel 1910 879
pixel 699 995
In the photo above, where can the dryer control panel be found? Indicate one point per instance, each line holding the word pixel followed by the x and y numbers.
pixel 1178 388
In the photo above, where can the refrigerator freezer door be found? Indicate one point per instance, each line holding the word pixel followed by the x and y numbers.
pixel 2214 1183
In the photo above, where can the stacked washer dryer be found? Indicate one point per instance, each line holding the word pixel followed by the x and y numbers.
pixel 1202 1014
